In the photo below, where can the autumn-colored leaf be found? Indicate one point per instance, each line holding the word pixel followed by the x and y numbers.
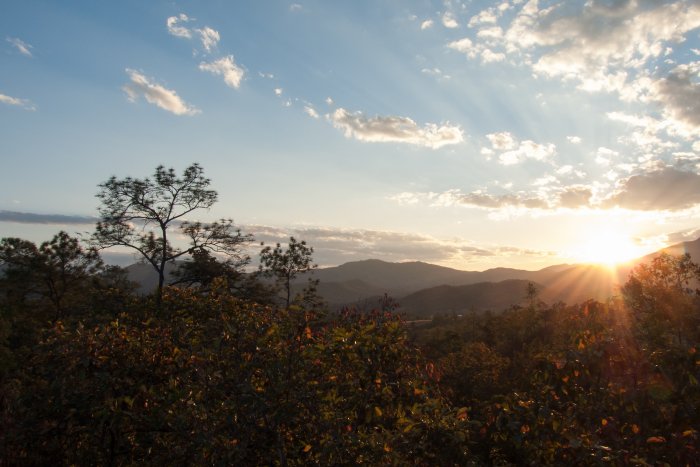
pixel 462 414
pixel 656 439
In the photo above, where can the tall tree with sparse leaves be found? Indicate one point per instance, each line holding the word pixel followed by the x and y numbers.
pixel 140 214
pixel 285 265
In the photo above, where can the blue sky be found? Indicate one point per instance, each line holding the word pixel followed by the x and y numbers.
pixel 470 134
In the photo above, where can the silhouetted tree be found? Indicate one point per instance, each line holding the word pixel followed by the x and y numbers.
pixel 57 271
pixel 663 296
pixel 139 213
pixel 285 265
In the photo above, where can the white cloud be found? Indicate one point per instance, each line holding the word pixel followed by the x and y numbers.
pixel 449 20
pixel 278 91
pixel 475 199
pixel 679 93
pixel 490 33
pixel 502 141
pixel 17 102
pixel 488 56
pixel 156 94
pixel 310 111
pixel 209 38
pixel 226 66
pixel 527 150
pixel 437 72
pixel 21 46
pixel 472 50
pixel 666 189
pixel 602 43
pixel 574 139
pixel 334 246
pixel 395 129
pixel 513 152
pixel 427 24
pixel 295 7
pixel 645 133
pixel 465 46
pixel 575 196
pixel 604 156
pixel 174 27
pixel 488 16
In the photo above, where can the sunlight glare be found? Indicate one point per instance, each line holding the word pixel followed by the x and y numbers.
pixel 608 248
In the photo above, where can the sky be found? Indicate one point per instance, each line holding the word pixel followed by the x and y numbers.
pixel 471 134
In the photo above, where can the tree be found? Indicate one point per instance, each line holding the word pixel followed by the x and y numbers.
pixel 57 271
pixel 65 268
pixel 139 213
pixel 17 260
pixel 285 266
pixel 663 300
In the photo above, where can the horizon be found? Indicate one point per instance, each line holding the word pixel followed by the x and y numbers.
pixel 466 134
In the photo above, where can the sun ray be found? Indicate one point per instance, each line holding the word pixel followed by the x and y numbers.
pixel 608 248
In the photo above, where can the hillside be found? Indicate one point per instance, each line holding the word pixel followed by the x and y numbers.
pixel 427 288
pixel 465 298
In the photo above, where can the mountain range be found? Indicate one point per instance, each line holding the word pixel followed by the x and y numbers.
pixel 424 289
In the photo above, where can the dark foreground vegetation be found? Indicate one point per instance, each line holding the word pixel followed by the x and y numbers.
pixel 233 369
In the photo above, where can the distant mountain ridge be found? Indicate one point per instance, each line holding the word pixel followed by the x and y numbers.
pixel 425 289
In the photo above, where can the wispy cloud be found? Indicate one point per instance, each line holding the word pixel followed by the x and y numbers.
pixel 476 199
pixel 395 129
pixel 427 24
pixel 17 102
pixel 679 92
pixel 21 46
pixel 599 41
pixel 175 28
pixel 310 111
pixel 601 46
pixel 487 16
pixel 209 37
pixel 166 99
pixel 667 189
pixel 449 20
pixel 232 72
pixel 473 50
pixel 662 190
pixel 335 246
pixel 227 67
pixel 31 218
pixel 510 151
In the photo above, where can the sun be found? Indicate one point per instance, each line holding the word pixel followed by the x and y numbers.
pixel 607 248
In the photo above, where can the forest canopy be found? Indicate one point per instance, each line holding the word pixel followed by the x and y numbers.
pixel 227 367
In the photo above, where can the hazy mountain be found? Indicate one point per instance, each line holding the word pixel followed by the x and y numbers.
pixel 482 296
pixel 147 277
pixel 396 279
pixel 692 248
pixel 429 288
